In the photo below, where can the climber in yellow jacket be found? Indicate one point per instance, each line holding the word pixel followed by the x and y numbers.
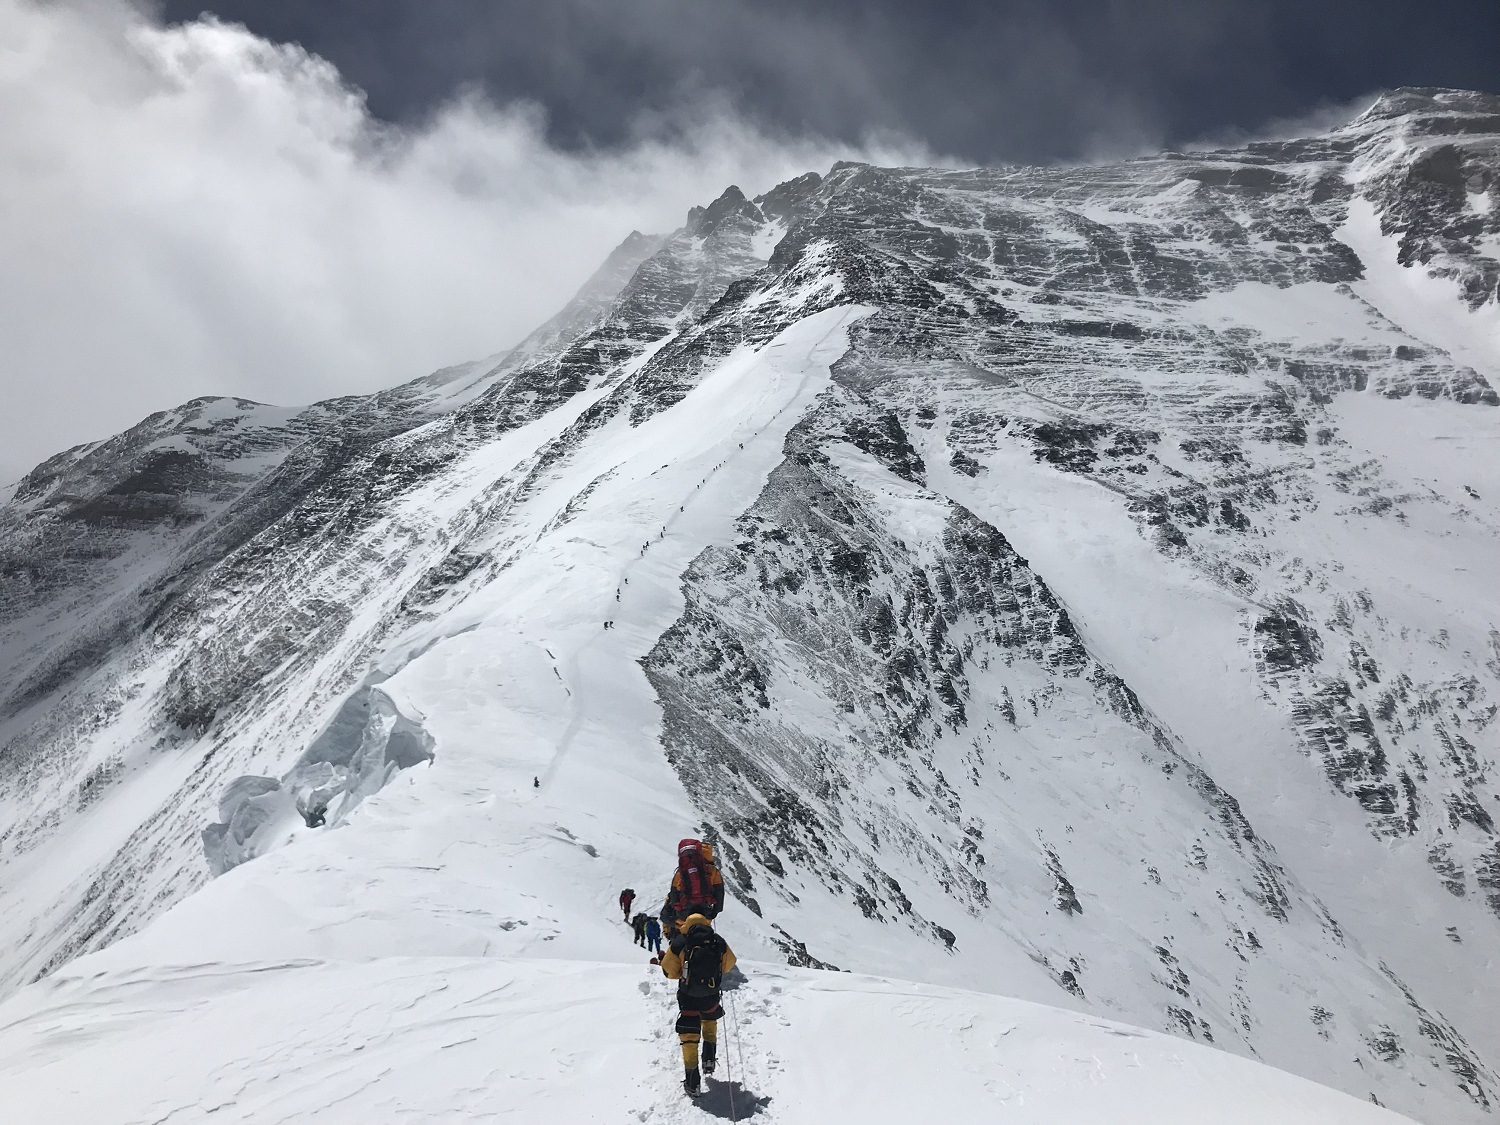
pixel 697 960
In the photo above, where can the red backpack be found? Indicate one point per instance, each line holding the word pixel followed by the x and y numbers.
pixel 693 867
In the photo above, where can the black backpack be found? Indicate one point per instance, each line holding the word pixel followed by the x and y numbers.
pixel 702 964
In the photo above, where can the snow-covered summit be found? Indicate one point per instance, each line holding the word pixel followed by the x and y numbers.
pixel 1065 584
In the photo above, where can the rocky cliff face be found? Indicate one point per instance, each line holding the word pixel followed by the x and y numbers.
pixel 1126 600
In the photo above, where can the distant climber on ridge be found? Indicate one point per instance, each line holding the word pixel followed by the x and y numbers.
pixel 697 959
pixel 653 935
pixel 697 887
pixel 639 923
pixel 627 896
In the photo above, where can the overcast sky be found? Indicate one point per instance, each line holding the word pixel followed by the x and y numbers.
pixel 985 80
pixel 299 199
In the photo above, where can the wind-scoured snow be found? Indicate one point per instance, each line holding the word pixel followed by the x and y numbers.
pixel 1061 587
pixel 1425 307
pixel 488 1039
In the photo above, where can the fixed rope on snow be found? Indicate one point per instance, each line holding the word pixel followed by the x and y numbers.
pixel 734 1035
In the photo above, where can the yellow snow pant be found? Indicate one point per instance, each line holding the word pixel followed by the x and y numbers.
pixel 688 1031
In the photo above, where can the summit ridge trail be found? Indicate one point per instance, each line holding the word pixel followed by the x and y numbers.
pixel 751 402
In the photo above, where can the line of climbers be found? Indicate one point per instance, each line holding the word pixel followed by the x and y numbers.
pixel 696 957
pixel 647 932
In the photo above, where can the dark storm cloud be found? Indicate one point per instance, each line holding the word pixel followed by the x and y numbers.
pixel 346 193
pixel 989 81
pixel 196 209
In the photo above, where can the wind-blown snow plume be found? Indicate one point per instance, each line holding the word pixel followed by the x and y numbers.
pixel 192 210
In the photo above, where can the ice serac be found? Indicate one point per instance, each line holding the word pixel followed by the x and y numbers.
pixel 363 746
pixel 1071 583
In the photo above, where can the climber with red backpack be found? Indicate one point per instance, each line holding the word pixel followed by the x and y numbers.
pixel 697 887
pixel 697 960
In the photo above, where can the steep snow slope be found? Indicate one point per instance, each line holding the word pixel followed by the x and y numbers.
pixel 484 1039
pixel 1073 584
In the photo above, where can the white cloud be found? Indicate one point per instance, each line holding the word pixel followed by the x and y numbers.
pixel 194 210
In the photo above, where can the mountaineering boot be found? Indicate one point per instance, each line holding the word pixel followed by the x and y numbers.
pixel 690 1082
pixel 709 1060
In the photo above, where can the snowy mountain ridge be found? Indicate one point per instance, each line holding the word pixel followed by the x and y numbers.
pixel 1072 584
